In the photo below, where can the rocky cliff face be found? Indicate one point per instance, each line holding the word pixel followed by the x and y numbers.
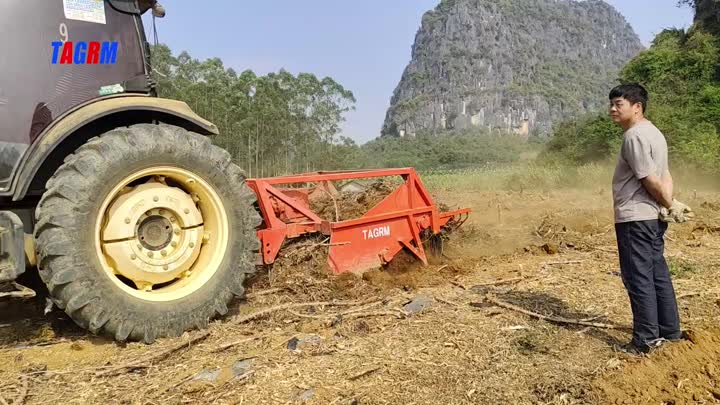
pixel 517 66
pixel 707 15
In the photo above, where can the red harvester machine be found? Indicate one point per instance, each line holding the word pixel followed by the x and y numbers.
pixel 399 221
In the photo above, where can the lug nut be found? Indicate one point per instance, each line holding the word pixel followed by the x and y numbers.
pixel 165 267
pixel 150 254
pixel 156 198
pixel 127 220
pixel 164 252
pixel 176 232
pixel 173 244
pixel 172 219
pixel 190 181
pixel 191 245
pixel 133 256
pixel 187 211
pixel 161 212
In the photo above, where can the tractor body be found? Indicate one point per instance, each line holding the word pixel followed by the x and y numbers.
pixel 69 71
pixel 37 90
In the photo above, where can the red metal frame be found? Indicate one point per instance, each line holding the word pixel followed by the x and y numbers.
pixel 356 245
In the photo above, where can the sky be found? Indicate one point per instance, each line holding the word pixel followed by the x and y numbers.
pixel 363 45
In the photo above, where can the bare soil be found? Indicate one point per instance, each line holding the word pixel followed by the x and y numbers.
pixel 359 343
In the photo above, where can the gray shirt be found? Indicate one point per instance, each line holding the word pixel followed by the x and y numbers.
pixel 644 152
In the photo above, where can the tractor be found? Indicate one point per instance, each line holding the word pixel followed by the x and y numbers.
pixel 138 224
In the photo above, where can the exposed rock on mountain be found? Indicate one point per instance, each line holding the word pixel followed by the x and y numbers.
pixel 512 65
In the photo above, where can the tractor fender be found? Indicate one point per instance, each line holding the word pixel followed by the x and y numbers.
pixel 63 128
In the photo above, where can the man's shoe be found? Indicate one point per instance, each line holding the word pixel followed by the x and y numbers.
pixel 635 350
pixel 639 350
pixel 654 344
pixel 674 339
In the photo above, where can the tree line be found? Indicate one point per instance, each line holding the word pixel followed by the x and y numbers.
pixel 274 124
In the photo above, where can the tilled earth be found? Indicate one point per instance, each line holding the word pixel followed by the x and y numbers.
pixel 411 334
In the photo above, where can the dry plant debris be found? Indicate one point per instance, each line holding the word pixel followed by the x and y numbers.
pixel 408 334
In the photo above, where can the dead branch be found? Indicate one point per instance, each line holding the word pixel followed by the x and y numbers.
pixel 337 211
pixel 264 292
pixel 332 197
pixel 23 392
pixel 597 235
pixel 51 372
pixel 399 314
pixel 554 319
pixel 565 262
pixel 285 307
pixel 688 295
pixel 354 314
pixel 592 318
pixel 499 282
pixel 145 363
pixel 335 315
pixel 177 384
pixel 306 316
pixel 42 344
pixel 363 308
pixel 312 247
pixel 364 373
pixel 309 247
pixel 444 301
pixel 226 346
pixel 21 292
pixel 457 284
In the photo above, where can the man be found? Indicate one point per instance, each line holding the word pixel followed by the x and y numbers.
pixel 643 204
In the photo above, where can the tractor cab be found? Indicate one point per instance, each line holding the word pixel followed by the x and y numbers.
pixel 59 55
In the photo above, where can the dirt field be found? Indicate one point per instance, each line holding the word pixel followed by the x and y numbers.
pixel 461 341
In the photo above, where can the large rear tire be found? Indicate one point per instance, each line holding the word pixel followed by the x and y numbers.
pixel 146 231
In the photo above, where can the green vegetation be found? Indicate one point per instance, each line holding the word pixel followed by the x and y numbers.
pixel 540 177
pixel 681 70
pixel 454 150
pixel 592 138
pixel 707 14
pixel 273 124
pixel 681 268
pixel 519 177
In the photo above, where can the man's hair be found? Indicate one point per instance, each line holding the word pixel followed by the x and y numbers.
pixel 633 92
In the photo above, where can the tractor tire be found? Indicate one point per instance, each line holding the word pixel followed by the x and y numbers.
pixel 146 231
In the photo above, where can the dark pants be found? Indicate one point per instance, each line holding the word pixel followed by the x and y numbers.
pixel 647 279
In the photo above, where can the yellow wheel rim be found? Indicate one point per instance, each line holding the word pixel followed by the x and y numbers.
pixel 161 234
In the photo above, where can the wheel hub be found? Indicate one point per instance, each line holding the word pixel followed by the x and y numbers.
pixel 153 234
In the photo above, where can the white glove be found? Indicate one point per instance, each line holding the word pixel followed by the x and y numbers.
pixel 678 213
